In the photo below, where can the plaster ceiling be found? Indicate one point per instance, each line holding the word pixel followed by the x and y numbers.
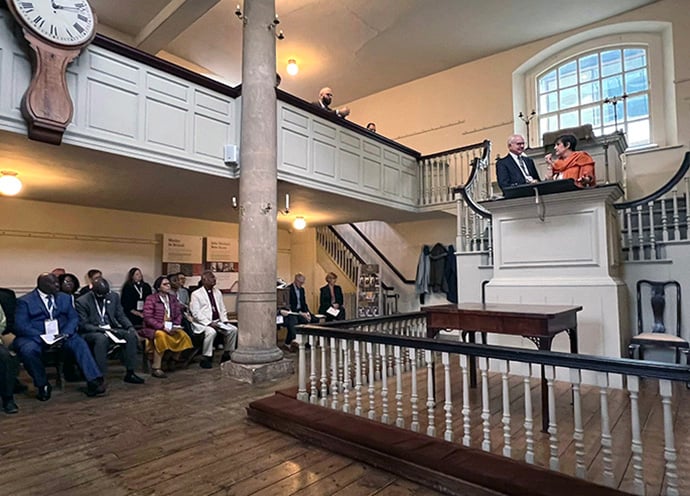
pixel 358 47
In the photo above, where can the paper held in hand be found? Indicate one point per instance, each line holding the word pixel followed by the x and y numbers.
pixel 51 339
pixel 114 338
pixel 333 311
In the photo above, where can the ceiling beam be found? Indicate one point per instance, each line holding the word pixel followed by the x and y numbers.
pixel 170 22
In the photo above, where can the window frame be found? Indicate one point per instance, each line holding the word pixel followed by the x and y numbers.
pixel 658 95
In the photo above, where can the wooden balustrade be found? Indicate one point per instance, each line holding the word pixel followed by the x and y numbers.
pixel 384 369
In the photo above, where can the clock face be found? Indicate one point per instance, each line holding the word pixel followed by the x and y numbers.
pixel 64 22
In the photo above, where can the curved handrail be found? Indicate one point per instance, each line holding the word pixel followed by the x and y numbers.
pixel 382 256
pixel 474 206
pixel 465 148
pixel 677 177
pixel 355 254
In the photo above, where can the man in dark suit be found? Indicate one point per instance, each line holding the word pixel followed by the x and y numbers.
pixel 100 311
pixel 515 168
pixel 47 312
pixel 324 102
pixel 298 313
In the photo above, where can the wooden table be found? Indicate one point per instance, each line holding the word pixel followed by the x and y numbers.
pixel 538 323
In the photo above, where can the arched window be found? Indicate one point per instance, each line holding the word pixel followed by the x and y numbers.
pixel 605 88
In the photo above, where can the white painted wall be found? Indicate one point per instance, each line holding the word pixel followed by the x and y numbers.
pixel 38 237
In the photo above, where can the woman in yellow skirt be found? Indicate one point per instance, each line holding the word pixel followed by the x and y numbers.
pixel 162 325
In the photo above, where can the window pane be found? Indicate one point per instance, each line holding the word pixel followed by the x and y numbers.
pixel 589 68
pixel 636 81
pixel 591 115
pixel 614 113
pixel 589 93
pixel 610 62
pixel 638 106
pixel 568 97
pixel 569 119
pixel 548 103
pixel 549 123
pixel 547 82
pixel 639 133
pixel 634 58
pixel 573 93
pixel 612 86
pixel 567 74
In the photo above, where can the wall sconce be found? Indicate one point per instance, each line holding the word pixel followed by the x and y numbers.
pixel 299 223
pixel 278 34
pixel 10 184
pixel 240 16
pixel 292 67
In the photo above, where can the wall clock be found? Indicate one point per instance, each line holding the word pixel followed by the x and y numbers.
pixel 57 31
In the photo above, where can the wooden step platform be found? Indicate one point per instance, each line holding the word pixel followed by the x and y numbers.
pixel 447 467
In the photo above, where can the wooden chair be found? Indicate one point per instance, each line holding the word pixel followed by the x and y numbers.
pixel 658 334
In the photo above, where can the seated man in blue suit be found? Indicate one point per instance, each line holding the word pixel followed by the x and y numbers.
pixel 515 168
pixel 46 311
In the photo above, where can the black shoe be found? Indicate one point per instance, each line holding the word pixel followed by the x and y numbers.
pixel 9 406
pixel 206 363
pixel 190 356
pixel 44 392
pixel 225 357
pixel 133 378
pixel 19 387
pixel 95 388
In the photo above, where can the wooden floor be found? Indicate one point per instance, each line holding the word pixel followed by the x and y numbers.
pixel 184 435
pixel 189 435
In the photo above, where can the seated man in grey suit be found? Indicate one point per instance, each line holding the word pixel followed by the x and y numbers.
pixel 45 316
pixel 101 314
pixel 515 168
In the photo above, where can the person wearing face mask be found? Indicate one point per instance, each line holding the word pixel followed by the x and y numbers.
pixel 102 321
pixel 43 317
pixel 325 100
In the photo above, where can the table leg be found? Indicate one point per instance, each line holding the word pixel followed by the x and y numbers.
pixel 473 362
pixel 572 334
pixel 544 344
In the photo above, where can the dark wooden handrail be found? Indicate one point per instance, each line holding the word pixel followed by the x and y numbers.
pixel 677 177
pixel 355 254
pixel 474 206
pixel 318 111
pixel 158 63
pixel 465 148
pixel 626 366
pixel 382 256
pixel 234 92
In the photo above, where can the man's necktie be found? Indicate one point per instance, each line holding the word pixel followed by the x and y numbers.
pixel 523 166
pixel 51 305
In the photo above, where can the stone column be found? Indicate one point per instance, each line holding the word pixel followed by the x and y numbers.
pixel 257 357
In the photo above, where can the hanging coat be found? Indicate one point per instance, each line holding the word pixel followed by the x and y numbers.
pixel 451 275
pixel 437 268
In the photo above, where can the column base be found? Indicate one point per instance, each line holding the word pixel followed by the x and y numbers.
pixel 257 373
